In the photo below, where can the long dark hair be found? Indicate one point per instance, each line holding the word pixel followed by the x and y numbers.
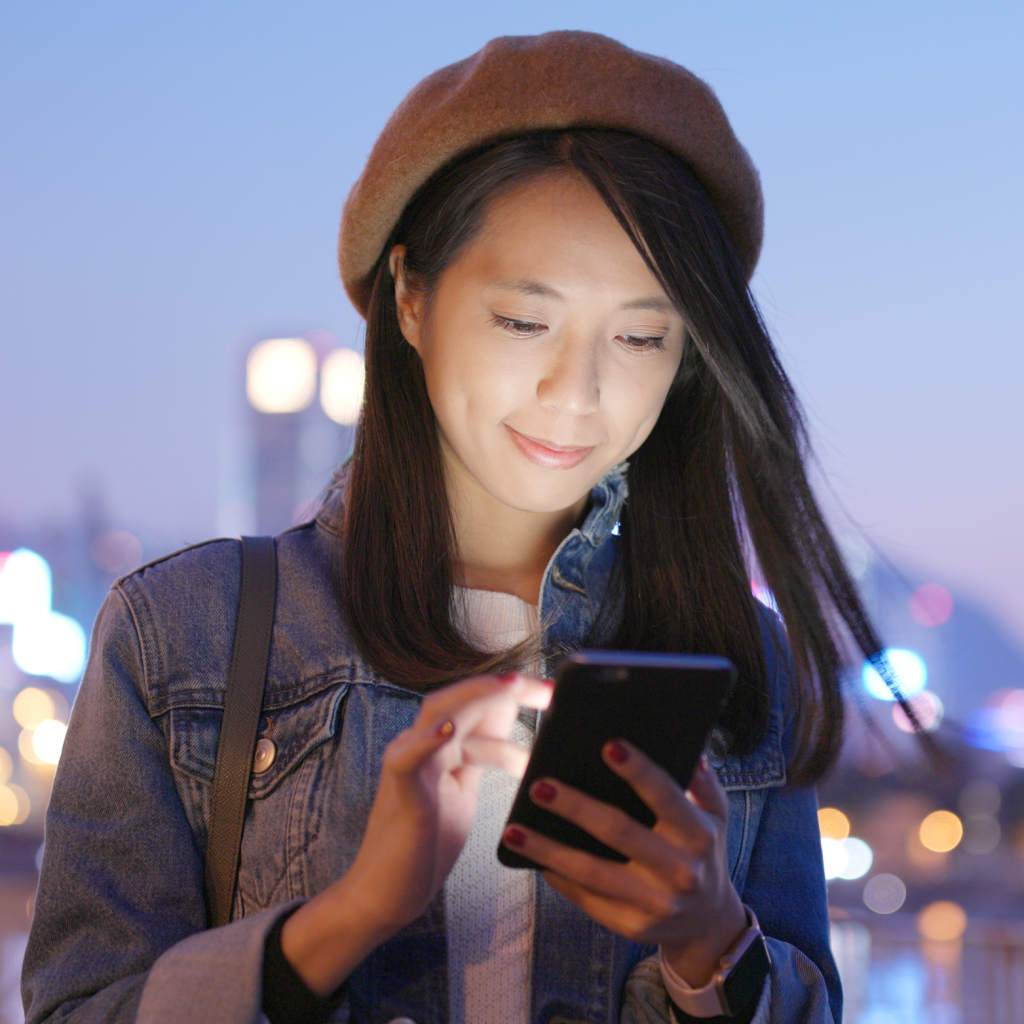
pixel 719 484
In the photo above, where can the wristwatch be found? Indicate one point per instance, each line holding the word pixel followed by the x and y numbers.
pixel 738 980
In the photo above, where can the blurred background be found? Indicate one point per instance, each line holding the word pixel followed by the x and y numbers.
pixel 178 360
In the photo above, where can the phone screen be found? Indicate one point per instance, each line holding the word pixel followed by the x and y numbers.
pixel 664 704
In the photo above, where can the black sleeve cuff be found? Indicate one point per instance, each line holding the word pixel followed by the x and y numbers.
pixel 287 999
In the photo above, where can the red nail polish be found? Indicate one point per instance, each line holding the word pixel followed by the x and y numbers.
pixel 514 837
pixel 445 729
pixel 617 752
pixel 508 677
pixel 543 791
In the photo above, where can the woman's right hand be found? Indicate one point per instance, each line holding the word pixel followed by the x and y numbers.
pixel 421 816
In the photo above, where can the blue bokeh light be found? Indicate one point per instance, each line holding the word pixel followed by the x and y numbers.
pixel 908 667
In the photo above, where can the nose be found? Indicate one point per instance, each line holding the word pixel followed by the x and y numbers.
pixel 571 380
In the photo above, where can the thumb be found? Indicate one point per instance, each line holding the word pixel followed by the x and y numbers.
pixel 706 792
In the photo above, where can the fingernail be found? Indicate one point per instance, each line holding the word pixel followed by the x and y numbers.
pixel 548 682
pixel 445 729
pixel 617 752
pixel 515 837
pixel 705 764
pixel 544 792
pixel 508 677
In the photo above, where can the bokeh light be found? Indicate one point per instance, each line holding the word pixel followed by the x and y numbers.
pixel 116 551
pixel 908 668
pixel 832 823
pixel 281 375
pixel 979 804
pixel 44 642
pixel 48 741
pixel 980 798
pixel 926 706
pixel 8 806
pixel 26 748
pixel 26 586
pixel 942 921
pixel 14 804
pixel 33 706
pixel 981 836
pixel 941 831
pixel 834 857
pixel 999 725
pixel 859 859
pixel 931 605
pixel 6 765
pixel 884 894
pixel 50 644
pixel 342 380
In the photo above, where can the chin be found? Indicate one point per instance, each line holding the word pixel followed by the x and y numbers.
pixel 530 493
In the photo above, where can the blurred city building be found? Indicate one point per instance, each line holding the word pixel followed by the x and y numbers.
pixel 290 422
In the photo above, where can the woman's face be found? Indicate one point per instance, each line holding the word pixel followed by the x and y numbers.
pixel 548 347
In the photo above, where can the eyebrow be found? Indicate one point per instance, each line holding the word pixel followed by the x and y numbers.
pixel 526 286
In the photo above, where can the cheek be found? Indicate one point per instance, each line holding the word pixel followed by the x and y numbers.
pixel 634 403
pixel 469 383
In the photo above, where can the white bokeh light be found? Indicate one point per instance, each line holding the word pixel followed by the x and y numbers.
pixel 884 894
pixel 342 378
pixel 44 642
pixel 859 859
pixel 49 645
pixel 48 740
pixel 834 854
pixel 25 586
pixel 909 669
pixel 281 375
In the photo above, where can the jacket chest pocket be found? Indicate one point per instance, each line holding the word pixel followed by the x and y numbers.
pixel 289 786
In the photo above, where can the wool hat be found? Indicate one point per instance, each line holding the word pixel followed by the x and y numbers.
pixel 517 84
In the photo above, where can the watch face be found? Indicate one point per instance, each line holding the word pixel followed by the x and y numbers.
pixel 745 981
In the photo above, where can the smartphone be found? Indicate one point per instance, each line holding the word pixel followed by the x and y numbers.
pixel 664 704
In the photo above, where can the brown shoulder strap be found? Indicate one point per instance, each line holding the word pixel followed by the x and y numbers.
pixel 240 723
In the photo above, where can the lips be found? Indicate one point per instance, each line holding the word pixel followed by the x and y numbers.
pixel 547 453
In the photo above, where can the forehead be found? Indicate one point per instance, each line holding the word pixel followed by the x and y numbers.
pixel 555 234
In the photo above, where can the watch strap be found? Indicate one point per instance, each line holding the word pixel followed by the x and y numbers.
pixel 735 986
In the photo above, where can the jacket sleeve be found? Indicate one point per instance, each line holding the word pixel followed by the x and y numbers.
pixel 119 931
pixel 647 1001
pixel 785 887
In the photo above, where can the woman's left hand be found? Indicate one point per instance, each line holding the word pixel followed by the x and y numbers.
pixel 674 889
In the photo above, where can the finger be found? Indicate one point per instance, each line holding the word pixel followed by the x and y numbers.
pixel 493 713
pixel 486 752
pixel 605 877
pixel 480 694
pixel 707 792
pixel 534 692
pixel 411 749
pixel 615 828
pixel 658 790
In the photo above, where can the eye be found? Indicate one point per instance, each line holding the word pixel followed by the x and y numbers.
pixel 520 328
pixel 643 344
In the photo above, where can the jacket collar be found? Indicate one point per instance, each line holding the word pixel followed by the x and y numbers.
pixel 607 497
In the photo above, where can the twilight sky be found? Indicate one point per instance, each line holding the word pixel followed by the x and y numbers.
pixel 171 176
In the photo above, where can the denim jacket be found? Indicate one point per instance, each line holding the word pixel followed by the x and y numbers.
pixel 120 930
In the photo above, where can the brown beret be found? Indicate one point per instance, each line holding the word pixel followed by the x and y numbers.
pixel 517 84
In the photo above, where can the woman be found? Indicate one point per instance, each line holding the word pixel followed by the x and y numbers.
pixel 576 432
